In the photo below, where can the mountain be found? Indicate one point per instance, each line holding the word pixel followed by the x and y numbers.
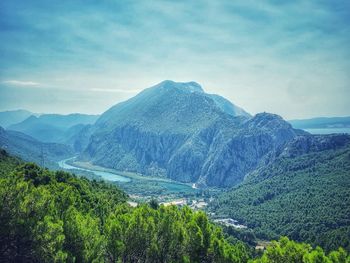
pixel 304 194
pixel 161 106
pixel 177 130
pixel 321 123
pixel 54 127
pixel 226 106
pixel 8 118
pixel 30 149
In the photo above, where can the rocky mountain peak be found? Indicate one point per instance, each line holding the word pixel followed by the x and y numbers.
pixel 268 120
pixel 184 86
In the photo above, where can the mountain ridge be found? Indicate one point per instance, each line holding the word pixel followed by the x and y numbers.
pixel 30 149
pixel 321 122
pixel 55 128
pixel 10 117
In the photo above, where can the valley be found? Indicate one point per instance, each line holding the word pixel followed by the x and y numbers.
pixel 174 131
pixel 255 176
pixel 141 188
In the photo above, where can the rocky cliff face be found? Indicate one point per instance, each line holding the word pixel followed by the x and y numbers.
pixel 315 143
pixel 250 146
pixel 179 131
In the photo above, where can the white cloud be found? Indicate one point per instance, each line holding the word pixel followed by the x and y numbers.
pixel 115 90
pixel 255 54
pixel 21 83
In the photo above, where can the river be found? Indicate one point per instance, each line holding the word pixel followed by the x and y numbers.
pixel 105 175
pixel 140 185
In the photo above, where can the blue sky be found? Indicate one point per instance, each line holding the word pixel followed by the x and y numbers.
pixel 287 57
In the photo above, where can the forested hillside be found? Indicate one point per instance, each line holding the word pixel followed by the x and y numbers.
pixel 56 217
pixel 306 198
pixel 288 251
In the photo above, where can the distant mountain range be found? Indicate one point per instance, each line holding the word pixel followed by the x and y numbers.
pixel 321 123
pixel 8 118
pixel 32 150
pixel 45 138
pixel 54 127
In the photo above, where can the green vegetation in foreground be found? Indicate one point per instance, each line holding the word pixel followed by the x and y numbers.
pixel 287 251
pixel 305 198
pixel 56 217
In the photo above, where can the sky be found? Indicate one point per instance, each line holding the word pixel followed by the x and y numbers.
pixel 286 57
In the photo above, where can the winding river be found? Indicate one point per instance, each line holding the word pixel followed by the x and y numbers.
pixel 105 175
pixel 160 184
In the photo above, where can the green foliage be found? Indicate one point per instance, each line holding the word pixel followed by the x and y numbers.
pixel 56 217
pixel 154 204
pixel 51 216
pixel 166 234
pixel 305 198
pixel 289 251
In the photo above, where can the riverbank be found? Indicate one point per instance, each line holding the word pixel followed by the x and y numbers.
pixel 142 188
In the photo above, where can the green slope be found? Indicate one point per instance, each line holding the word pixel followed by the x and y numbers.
pixel 56 217
pixel 306 198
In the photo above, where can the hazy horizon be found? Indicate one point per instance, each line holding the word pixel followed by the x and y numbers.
pixel 289 58
pixel 99 113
